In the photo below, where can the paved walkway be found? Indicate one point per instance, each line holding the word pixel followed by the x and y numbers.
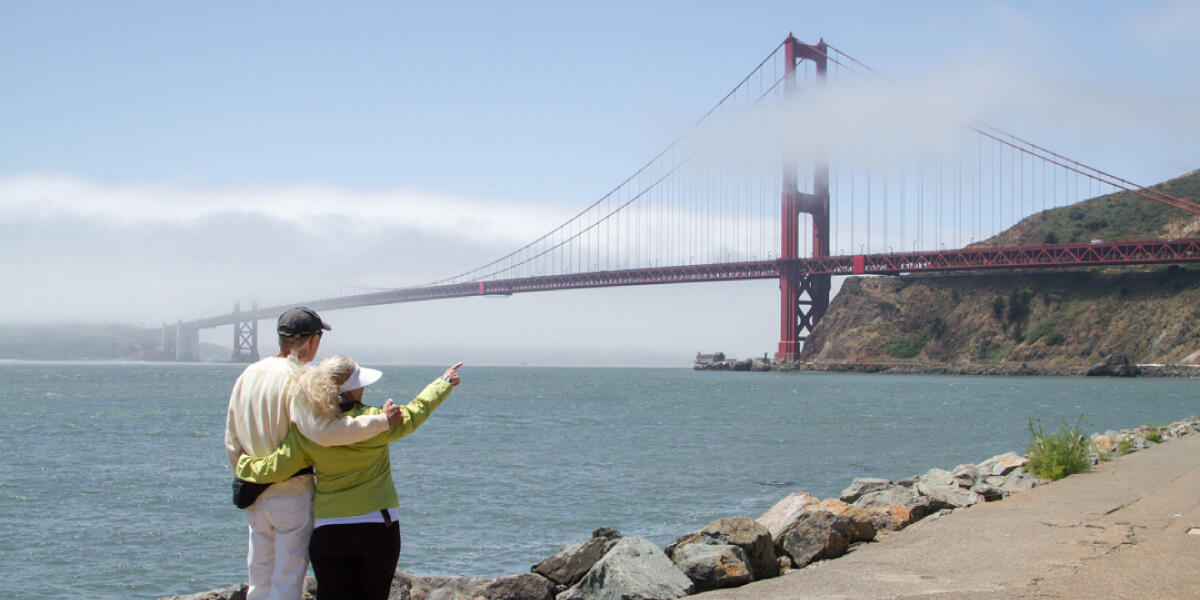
pixel 1118 531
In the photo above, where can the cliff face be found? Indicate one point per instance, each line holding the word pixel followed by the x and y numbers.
pixel 1056 318
pixel 1059 318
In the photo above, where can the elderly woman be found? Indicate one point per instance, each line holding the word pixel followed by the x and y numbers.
pixel 355 542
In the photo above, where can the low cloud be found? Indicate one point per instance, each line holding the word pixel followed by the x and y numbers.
pixel 309 207
pixel 880 120
pixel 884 123
pixel 149 253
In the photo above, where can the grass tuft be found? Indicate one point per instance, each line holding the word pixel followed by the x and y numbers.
pixel 1055 455
pixel 1151 433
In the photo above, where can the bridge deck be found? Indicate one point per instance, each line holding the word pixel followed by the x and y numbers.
pixel 1136 252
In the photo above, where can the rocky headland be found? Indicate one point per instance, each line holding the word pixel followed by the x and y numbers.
pixel 794 533
pixel 1045 322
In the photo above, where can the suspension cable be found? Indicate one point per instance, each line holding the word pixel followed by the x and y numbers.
pixel 669 147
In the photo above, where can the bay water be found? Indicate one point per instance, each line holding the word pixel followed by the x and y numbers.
pixel 114 481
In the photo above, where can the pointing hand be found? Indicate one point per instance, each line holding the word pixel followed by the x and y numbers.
pixel 451 374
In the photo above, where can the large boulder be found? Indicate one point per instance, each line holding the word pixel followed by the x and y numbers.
pixel 965 475
pixel 1179 429
pixel 890 496
pixel 895 517
pixel 943 490
pixel 526 586
pixel 862 528
pixel 750 536
pixel 1014 483
pixel 1114 365
pixel 713 566
pixel 634 569
pixel 986 492
pixel 815 535
pixel 783 513
pixel 862 486
pixel 233 592
pixel 1002 464
pixel 572 562
pixel 401 587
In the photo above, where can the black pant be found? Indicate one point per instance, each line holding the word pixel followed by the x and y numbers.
pixel 355 562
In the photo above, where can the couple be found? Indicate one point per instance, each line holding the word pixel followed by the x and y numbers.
pixel 284 416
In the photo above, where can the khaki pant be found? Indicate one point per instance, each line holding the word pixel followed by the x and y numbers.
pixel 280 527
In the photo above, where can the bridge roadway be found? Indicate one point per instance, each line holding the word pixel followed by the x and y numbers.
pixel 1136 252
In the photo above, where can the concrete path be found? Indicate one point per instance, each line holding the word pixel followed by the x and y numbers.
pixel 1118 531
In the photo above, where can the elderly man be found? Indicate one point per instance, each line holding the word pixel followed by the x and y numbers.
pixel 259 416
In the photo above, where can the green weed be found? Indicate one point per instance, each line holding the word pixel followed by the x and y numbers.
pixel 1152 434
pixel 1055 455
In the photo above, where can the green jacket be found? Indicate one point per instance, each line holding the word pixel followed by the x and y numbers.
pixel 351 480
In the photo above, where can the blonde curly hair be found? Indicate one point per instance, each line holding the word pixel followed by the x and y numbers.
pixel 318 387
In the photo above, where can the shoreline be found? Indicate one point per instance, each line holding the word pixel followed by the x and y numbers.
pixel 1023 370
pixel 1113 366
pixel 800 530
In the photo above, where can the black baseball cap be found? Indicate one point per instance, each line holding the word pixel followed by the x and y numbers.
pixel 301 321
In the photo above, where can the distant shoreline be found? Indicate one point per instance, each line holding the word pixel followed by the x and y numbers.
pixel 1025 370
pixel 1114 365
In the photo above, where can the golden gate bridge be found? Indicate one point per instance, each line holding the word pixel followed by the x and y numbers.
pixel 766 185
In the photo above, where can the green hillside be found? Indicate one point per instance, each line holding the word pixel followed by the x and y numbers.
pixel 1120 216
pixel 1049 318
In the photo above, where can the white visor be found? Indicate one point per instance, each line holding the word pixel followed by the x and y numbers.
pixel 361 377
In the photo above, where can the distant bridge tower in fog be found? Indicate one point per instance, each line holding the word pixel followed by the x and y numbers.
pixel 713 206
pixel 804 296
pixel 180 342
pixel 245 335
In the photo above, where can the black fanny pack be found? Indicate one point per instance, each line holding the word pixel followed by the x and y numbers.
pixel 246 492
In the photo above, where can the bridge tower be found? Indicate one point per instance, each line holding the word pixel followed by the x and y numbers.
pixel 245 334
pixel 803 297
pixel 166 345
pixel 187 343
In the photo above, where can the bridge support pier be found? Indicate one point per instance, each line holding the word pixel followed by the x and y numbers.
pixel 245 335
pixel 166 345
pixel 187 343
pixel 803 297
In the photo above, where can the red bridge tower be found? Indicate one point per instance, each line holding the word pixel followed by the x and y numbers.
pixel 803 297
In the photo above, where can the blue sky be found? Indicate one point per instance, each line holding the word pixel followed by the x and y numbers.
pixel 241 151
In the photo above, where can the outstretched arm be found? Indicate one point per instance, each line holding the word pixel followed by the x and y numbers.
pixel 417 411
